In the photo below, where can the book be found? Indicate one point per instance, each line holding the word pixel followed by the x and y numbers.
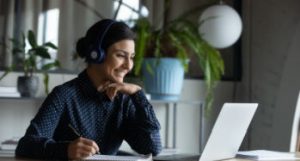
pixel 118 158
pixel 7 153
pixel 10 144
pixel 10 94
pixel 7 89
pixel 266 155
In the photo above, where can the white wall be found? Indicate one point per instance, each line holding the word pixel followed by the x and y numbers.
pixel 15 114
pixel 271 62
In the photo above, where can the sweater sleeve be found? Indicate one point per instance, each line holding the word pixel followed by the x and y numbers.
pixel 38 140
pixel 141 126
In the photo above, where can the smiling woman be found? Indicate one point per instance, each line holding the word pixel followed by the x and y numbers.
pixel 119 60
pixel 98 104
pixel 108 47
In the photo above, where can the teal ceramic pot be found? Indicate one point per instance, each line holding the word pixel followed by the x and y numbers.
pixel 163 78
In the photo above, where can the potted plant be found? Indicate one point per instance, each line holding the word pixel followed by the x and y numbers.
pixel 28 83
pixel 178 39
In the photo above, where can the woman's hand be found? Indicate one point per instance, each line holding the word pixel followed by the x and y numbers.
pixel 111 89
pixel 82 148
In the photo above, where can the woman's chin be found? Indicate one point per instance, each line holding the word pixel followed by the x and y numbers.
pixel 118 80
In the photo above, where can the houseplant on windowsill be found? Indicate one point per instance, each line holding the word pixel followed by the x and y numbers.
pixel 179 39
pixel 28 83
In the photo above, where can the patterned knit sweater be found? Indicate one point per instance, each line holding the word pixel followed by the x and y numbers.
pixel 94 116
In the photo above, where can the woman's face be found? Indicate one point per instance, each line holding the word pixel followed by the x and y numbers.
pixel 119 60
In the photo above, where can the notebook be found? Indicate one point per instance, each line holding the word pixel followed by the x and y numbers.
pixel 118 158
pixel 226 136
pixel 266 155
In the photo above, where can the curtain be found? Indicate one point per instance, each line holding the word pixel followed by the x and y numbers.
pixel 6 31
pixel 17 17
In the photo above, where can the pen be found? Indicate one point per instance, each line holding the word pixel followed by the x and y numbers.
pixel 78 134
pixel 74 130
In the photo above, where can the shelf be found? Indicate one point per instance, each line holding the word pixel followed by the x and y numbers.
pixel 7 153
pixel 178 101
pixel 171 110
pixel 23 98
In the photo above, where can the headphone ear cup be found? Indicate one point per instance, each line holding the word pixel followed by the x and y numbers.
pixel 101 55
pixel 97 56
pixel 94 55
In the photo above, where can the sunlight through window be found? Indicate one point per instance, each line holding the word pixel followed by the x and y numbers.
pixel 130 10
pixel 48 30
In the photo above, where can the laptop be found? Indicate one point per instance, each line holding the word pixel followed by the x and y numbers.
pixel 226 136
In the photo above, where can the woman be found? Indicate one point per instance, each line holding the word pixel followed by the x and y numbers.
pixel 97 110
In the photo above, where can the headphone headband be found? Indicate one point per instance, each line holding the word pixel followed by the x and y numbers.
pixel 97 54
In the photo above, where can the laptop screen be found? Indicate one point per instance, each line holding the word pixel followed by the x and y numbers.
pixel 226 136
pixel 229 131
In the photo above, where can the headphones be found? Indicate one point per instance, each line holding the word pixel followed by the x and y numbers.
pixel 97 53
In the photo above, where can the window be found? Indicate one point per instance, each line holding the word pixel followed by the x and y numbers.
pixel 129 10
pixel 48 31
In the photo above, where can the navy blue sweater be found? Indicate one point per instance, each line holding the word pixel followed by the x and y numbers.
pixel 94 116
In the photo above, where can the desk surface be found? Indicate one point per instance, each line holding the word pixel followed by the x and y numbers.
pixel 10 157
pixel 23 159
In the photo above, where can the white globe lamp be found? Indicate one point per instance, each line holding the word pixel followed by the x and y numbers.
pixel 220 25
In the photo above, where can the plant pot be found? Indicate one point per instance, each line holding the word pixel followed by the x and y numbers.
pixel 28 86
pixel 164 80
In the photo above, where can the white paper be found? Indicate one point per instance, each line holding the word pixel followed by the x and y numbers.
pixel 266 155
pixel 119 158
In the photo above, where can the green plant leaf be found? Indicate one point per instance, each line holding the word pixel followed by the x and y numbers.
pixel 42 52
pixel 23 42
pixel 181 51
pixel 180 36
pixel 31 63
pixel 51 45
pixel 51 65
pixel 18 45
pixel 15 42
pixel 46 82
pixel 16 50
pixel 142 29
pixel 32 55
pixel 31 39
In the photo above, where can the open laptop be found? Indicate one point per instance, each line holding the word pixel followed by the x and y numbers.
pixel 226 136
